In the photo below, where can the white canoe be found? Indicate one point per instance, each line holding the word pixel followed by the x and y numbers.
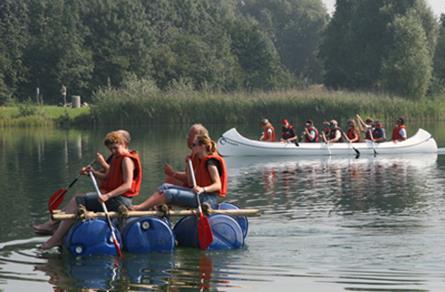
pixel 233 144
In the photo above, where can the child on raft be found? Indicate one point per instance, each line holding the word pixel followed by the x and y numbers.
pixel 211 180
pixel 118 185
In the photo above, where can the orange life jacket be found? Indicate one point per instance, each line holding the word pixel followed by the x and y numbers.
pixel 267 136
pixel 203 178
pixel 352 134
pixel 396 133
pixel 114 177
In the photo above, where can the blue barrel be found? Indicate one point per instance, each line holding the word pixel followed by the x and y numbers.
pixel 227 233
pixel 91 237
pixel 148 234
pixel 242 220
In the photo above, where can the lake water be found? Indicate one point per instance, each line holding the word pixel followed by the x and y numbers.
pixel 328 224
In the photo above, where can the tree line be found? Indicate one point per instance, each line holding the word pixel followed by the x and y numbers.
pixel 391 46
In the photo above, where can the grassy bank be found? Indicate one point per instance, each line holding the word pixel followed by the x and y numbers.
pixel 35 115
pixel 142 103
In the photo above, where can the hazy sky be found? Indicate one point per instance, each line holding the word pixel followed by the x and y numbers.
pixel 438 6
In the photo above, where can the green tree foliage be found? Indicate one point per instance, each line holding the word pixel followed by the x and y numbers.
pixel 407 69
pixel 361 38
pixel 439 57
pixel 215 44
pixel 120 37
pixel 257 56
pixel 295 27
pixel 13 39
pixel 55 53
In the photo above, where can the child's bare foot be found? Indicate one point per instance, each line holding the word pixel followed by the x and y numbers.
pixel 47 228
pixel 50 244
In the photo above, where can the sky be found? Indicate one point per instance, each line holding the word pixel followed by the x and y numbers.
pixel 438 6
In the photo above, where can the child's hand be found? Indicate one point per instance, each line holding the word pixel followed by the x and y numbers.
pixel 86 169
pixel 168 170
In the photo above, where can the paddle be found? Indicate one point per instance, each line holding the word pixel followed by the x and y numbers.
pixel 107 215
pixel 57 197
pixel 323 135
pixel 205 235
pixel 352 145
pixel 370 133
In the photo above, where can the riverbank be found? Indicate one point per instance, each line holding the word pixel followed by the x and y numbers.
pixel 29 115
pixel 142 103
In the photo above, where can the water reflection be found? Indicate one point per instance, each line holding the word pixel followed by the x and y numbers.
pixel 344 184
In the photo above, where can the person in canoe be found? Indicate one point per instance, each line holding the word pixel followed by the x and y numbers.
pixel 378 134
pixel 288 132
pixel 118 186
pixel 335 133
pixel 366 127
pixel 211 180
pixel 399 132
pixel 268 134
pixel 352 134
pixel 180 178
pixel 310 133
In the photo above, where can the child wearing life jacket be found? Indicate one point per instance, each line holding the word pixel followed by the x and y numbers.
pixel 211 180
pixel 180 178
pixel 268 134
pixel 399 132
pixel 118 185
pixel 352 134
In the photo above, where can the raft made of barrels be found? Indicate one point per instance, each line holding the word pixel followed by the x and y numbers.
pixel 144 234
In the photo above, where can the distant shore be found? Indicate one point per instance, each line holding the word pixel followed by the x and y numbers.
pixel 138 106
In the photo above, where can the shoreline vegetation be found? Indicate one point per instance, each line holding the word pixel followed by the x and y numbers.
pixel 141 102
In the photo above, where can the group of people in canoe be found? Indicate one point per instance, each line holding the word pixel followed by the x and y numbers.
pixel 369 129
pixel 120 179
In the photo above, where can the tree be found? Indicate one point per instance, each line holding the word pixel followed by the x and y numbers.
pixel 295 27
pixel 361 39
pixel 407 69
pixel 257 56
pixel 14 37
pixel 120 38
pixel 439 56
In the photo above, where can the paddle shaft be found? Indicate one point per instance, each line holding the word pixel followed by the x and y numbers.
pixel 350 143
pixel 107 215
pixel 326 142
pixel 370 133
pixel 192 173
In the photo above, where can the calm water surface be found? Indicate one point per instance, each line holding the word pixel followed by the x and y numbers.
pixel 328 224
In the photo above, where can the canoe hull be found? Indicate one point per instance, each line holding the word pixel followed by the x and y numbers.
pixel 233 144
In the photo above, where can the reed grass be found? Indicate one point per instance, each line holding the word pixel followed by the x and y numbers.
pixel 142 103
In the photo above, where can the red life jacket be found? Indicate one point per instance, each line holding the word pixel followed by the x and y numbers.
pixel 266 136
pixel 114 177
pixel 352 134
pixel 203 178
pixel 396 133
pixel 316 135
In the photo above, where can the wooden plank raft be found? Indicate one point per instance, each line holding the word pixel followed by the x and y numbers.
pixel 84 214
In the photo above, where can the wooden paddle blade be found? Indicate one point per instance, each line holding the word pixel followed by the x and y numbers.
pixel 205 234
pixel 56 199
